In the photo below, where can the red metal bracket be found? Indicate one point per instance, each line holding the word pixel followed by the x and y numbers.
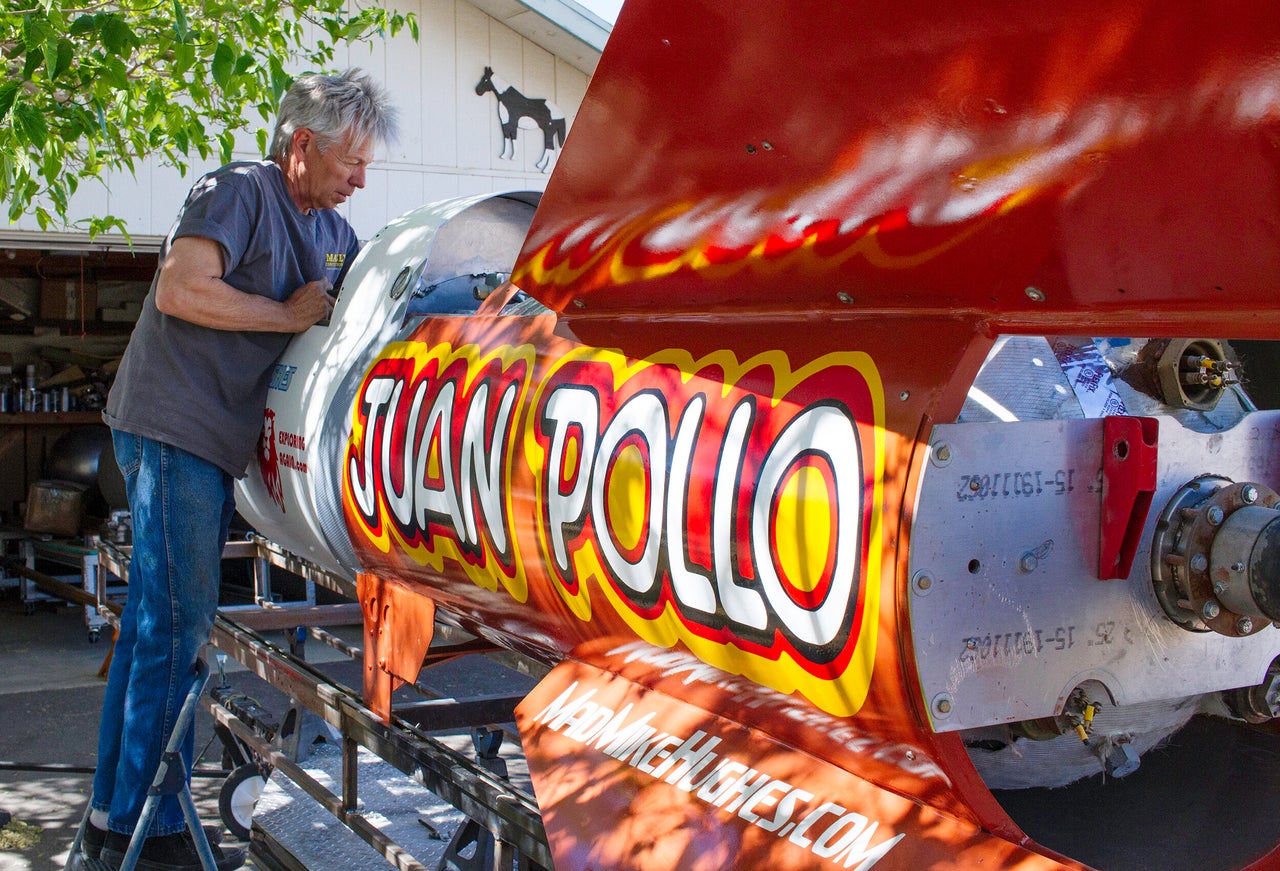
pixel 398 625
pixel 1129 450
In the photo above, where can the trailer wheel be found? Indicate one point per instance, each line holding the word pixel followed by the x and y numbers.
pixel 239 796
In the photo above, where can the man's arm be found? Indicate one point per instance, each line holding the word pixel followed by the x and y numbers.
pixel 191 288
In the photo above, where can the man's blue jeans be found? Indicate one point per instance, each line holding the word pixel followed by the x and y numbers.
pixel 181 508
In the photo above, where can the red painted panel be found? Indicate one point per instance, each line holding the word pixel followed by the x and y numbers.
pixel 684 788
pixel 1119 157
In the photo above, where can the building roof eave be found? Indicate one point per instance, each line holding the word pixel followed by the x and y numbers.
pixel 562 27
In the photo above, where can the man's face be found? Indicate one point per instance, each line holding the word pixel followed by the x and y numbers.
pixel 326 178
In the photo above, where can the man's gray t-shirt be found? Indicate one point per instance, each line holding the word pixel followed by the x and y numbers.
pixel 204 390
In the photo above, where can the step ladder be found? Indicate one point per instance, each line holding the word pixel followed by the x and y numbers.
pixel 171 779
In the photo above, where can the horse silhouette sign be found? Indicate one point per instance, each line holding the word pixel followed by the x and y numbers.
pixel 516 111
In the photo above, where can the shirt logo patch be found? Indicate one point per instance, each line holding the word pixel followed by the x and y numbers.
pixel 334 261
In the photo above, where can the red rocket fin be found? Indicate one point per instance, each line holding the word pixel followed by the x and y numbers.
pixel 682 787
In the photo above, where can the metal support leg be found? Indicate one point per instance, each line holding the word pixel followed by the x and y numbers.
pixel 474 848
pixel 262 594
pixel 350 775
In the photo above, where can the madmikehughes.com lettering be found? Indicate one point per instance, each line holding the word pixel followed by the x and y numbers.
pixel 692 763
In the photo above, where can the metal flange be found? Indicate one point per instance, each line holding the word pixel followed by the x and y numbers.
pixel 1200 559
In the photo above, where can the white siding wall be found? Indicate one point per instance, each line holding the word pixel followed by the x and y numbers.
pixel 450 138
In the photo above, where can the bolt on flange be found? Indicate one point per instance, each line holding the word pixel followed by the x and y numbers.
pixel 1202 551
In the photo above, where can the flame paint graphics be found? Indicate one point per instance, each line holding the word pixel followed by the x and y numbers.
pixel 862 214
pixel 428 466
pixel 734 508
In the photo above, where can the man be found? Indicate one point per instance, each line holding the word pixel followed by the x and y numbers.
pixel 249 262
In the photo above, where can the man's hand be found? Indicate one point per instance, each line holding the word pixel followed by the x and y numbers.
pixel 309 304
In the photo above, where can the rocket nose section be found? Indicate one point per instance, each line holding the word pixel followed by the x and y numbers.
pixel 293 492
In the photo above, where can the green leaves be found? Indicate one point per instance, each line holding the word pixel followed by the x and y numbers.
pixel 91 89
pixel 30 124
pixel 84 24
pixel 37 31
pixel 280 80
pixel 117 36
pixel 227 141
pixel 64 50
pixel 8 93
pixel 179 21
pixel 223 59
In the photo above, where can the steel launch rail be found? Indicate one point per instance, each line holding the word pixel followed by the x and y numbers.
pixel 508 813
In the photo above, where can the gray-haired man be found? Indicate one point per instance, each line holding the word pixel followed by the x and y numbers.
pixel 250 261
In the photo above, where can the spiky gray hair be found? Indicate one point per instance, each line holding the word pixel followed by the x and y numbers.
pixel 332 107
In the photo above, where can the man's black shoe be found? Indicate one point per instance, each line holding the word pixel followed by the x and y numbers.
pixel 94 838
pixel 91 843
pixel 174 852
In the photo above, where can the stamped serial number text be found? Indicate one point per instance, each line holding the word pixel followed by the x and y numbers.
pixel 1015 485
